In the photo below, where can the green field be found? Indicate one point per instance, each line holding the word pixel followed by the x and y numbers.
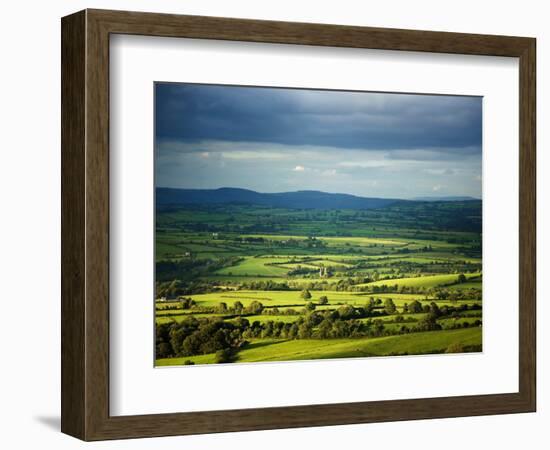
pixel 245 283
pixel 284 299
pixel 425 281
pixel 255 266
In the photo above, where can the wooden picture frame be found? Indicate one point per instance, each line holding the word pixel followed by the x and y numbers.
pixel 85 224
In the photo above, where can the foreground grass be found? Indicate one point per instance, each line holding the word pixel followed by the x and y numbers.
pixel 293 350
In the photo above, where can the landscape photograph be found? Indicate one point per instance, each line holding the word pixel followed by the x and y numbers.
pixel 309 224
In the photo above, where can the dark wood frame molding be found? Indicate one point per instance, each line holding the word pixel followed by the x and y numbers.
pixel 85 224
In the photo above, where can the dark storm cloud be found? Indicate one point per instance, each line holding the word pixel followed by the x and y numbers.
pixel 276 140
pixel 448 125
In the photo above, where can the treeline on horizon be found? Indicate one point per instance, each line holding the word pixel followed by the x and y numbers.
pixel 462 216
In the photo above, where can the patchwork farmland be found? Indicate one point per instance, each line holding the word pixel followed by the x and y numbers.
pixel 251 283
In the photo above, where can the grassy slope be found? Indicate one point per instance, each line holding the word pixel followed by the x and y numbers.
pixel 255 266
pixel 277 350
pixel 426 281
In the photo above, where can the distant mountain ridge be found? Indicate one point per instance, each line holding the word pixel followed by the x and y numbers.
pixel 291 200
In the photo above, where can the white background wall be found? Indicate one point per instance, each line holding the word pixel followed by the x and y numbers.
pixel 30 221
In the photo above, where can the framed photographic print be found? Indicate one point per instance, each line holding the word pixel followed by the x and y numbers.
pixel 292 216
pixel 339 264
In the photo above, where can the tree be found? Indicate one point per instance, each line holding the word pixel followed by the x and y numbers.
pixel 304 331
pixel 429 323
pixel 415 307
pixel 434 309
pixel 255 307
pixel 370 305
pixel 325 328
pixel 224 356
pixel 241 323
pixel 346 312
pixel 340 329
pixel 461 278
pixel 323 300
pixel 164 350
pixel 377 327
pixel 186 302
pixel 238 307
pixel 306 295
pixel 268 329
pixel 310 306
pixel 389 306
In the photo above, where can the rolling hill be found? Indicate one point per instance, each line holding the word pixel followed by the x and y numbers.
pixel 291 200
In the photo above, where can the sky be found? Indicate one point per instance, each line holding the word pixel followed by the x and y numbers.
pixel 279 140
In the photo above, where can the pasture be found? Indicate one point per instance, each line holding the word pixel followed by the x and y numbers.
pixel 428 281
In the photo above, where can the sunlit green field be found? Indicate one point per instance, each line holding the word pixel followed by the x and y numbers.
pixel 283 299
pixel 424 281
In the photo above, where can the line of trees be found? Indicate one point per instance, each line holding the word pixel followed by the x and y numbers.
pixel 178 287
pixel 374 307
pixel 194 336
